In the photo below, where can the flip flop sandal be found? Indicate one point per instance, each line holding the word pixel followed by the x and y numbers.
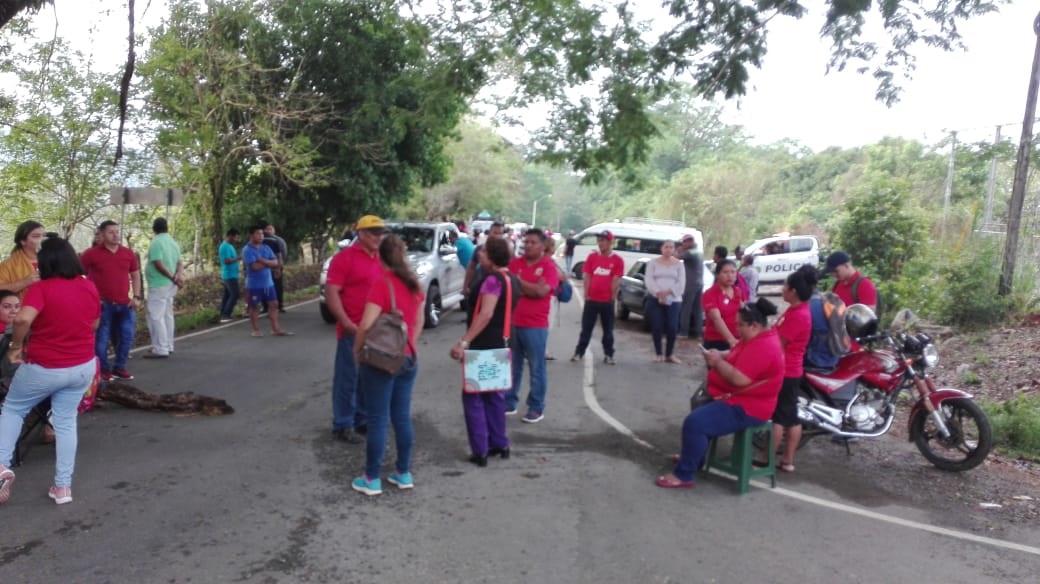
pixel 785 466
pixel 670 482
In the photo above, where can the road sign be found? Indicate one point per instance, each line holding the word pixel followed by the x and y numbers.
pixel 146 196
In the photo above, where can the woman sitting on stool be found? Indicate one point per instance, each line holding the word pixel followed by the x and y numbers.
pixel 744 381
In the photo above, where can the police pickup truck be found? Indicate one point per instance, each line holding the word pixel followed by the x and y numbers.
pixel 781 254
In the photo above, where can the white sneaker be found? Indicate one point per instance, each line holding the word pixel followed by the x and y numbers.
pixel 61 495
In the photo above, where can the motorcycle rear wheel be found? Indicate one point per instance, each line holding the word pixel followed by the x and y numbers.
pixel 970 439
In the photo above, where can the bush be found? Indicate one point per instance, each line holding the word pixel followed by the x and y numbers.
pixel 917 288
pixel 1016 425
pixel 205 290
pixel 970 286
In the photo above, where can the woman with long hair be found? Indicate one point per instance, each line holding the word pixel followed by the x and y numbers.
pixel 20 270
pixel 63 309
pixel 721 303
pixel 388 398
pixel 794 327
pixel 744 382
pixel 486 412
pixel 665 282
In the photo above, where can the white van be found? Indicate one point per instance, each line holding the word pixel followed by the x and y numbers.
pixel 634 238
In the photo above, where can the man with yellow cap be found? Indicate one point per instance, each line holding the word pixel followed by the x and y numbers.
pixel 351 273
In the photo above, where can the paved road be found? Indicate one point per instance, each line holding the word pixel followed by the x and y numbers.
pixel 263 495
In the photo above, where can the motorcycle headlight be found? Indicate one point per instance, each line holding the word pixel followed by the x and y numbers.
pixel 930 355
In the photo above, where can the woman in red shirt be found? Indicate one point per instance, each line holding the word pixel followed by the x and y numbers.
pixel 388 398
pixel 721 303
pixel 744 382
pixel 794 328
pixel 63 309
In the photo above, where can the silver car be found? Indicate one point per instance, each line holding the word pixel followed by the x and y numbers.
pixel 435 261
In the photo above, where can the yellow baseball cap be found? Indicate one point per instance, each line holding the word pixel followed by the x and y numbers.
pixel 370 222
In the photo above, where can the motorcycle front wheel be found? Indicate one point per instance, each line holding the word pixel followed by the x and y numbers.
pixel 970 436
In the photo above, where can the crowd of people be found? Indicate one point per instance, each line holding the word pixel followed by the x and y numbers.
pixel 75 306
pixel 64 314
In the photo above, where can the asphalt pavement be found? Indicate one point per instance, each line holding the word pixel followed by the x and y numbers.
pixel 263 495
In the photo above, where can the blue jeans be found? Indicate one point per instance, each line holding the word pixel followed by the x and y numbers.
pixel 529 343
pixel 117 323
pixel 664 319
pixel 700 426
pixel 348 404
pixel 389 399
pixel 32 384
pixel 569 260
pixel 604 311
pixel 230 298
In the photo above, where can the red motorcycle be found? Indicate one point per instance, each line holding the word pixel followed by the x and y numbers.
pixel 858 398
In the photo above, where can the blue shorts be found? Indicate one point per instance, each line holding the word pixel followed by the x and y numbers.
pixel 261 296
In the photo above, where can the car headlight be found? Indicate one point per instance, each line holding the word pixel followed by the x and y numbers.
pixel 422 269
pixel 930 355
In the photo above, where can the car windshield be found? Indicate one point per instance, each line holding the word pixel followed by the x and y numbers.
pixel 418 239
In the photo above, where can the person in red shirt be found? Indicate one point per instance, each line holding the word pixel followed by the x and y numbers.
pixel 852 286
pixel 602 272
pixel 388 397
pixel 114 269
pixel 538 278
pixel 721 303
pixel 794 328
pixel 351 275
pixel 744 382
pixel 58 362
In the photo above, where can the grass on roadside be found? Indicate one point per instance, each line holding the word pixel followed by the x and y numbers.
pixel 1016 425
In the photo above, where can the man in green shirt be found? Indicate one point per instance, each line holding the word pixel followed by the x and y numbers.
pixel 164 277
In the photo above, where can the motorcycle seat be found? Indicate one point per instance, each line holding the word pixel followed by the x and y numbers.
pixel 820 370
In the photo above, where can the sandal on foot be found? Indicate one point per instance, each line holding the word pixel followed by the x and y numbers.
pixel 785 466
pixel 658 359
pixel 671 482
pixel 674 359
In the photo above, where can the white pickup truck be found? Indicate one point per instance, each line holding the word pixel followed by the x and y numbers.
pixel 781 254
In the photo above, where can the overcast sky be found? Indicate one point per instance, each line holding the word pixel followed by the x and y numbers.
pixel 973 91
pixel 791 97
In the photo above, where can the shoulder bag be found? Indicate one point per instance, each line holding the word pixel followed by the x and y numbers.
pixel 490 369
pixel 387 340
pixel 701 397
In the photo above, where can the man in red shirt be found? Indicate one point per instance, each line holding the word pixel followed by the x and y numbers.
pixel 852 286
pixel 351 275
pixel 115 271
pixel 603 271
pixel 538 278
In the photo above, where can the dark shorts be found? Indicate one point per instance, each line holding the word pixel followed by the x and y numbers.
pixel 786 413
pixel 261 296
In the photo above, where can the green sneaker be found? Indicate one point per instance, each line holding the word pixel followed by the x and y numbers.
pixel 403 480
pixel 367 486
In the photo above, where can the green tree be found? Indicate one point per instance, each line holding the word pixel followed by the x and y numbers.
pixel 60 143
pixel 601 67
pixel 880 228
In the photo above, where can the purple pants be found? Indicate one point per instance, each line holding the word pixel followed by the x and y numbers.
pixel 485 420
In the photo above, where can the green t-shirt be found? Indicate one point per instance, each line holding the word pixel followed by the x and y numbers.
pixel 166 249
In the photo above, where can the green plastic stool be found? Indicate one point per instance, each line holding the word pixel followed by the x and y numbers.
pixel 738 462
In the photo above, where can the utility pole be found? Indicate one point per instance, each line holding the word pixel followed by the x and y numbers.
pixel 1018 189
pixel 987 217
pixel 949 177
